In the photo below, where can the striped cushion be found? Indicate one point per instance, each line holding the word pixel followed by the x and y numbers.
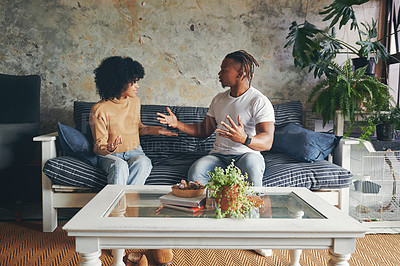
pixel 172 156
pixel 81 118
pixel 290 112
pixel 155 146
pixel 69 171
pixel 284 171
pixel 281 171
pixel 171 170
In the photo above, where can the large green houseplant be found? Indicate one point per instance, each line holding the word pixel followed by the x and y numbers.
pixel 348 91
pixel 316 48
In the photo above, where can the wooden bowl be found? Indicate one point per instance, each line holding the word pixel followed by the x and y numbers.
pixel 187 193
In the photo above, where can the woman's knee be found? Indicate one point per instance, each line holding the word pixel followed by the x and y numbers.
pixel 117 170
pixel 140 161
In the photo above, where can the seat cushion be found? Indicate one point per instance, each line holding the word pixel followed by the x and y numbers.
pixel 70 171
pixel 303 144
pixel 75 144
pixel 282 170
pixel 172 169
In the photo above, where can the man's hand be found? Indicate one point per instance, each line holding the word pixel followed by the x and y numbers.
pixel 110 147
pixel 169 120
pixel 234 132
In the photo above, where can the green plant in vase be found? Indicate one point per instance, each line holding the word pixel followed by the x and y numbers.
pixel 231 190
pixel 384 122
pixel 348 91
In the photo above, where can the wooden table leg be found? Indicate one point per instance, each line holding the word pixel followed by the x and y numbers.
pixel 90 259
pixel 118 255
pixel 294 257
pixel 338 259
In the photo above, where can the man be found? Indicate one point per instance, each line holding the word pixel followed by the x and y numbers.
pixel 243 118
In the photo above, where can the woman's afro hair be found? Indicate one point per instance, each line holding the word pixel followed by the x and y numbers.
pixel 114 74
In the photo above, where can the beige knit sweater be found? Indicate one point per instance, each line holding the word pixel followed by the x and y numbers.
pixel 112 118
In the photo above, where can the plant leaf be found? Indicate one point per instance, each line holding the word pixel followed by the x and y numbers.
pixel 342 10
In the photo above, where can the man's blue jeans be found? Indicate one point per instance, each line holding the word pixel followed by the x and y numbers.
pixel 126 168
pixel 251 163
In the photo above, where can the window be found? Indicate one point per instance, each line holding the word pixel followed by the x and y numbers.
pixel 390 21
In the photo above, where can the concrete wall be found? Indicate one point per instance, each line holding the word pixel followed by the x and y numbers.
pixel 181 44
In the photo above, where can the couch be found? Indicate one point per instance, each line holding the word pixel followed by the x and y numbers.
pixel 70 182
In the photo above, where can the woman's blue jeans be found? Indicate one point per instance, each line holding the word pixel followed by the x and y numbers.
pixel 251 163
pixel 126 168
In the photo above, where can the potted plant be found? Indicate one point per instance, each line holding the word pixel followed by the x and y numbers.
pixel 348 91
pixel 231 192
pixel 317 49
pixel 383 122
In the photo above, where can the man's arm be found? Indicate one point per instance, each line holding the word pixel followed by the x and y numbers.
pixel 264 138
pixel 199 130
pixel 262 141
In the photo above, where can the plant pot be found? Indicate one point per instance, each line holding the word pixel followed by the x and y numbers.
pixel 226 196
pixel 384 132
pixel 361 62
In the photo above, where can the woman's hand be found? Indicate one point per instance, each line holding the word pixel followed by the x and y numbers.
pixel 166 132
pixel 169 120
pixel 110 147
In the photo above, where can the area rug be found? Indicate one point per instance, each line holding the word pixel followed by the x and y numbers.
pixel 25 244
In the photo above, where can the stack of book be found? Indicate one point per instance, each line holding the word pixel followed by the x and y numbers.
pixel 192 205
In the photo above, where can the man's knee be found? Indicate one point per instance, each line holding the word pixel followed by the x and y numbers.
pixel 200 168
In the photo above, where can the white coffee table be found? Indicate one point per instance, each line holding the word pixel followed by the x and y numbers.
pixel 121 217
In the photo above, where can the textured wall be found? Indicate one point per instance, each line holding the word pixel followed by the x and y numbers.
pixel 181 44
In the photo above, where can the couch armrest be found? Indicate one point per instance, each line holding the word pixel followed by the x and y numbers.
pixel 341 154
pixel 48 206
pixel 46 137
pixel 48 146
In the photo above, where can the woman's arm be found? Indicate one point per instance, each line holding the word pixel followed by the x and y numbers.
pixel 199 130
pixel 153 130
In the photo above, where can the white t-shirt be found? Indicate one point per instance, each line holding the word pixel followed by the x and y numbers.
pixel 253 108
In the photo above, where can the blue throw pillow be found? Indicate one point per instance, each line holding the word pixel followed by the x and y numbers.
pixel 303 144
pixel 74 143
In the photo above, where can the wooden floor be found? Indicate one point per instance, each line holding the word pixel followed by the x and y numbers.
pixel 24 244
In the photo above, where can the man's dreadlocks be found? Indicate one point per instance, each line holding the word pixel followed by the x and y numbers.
pixel 247 62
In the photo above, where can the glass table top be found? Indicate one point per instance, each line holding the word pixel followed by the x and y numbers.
pixel 132 203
